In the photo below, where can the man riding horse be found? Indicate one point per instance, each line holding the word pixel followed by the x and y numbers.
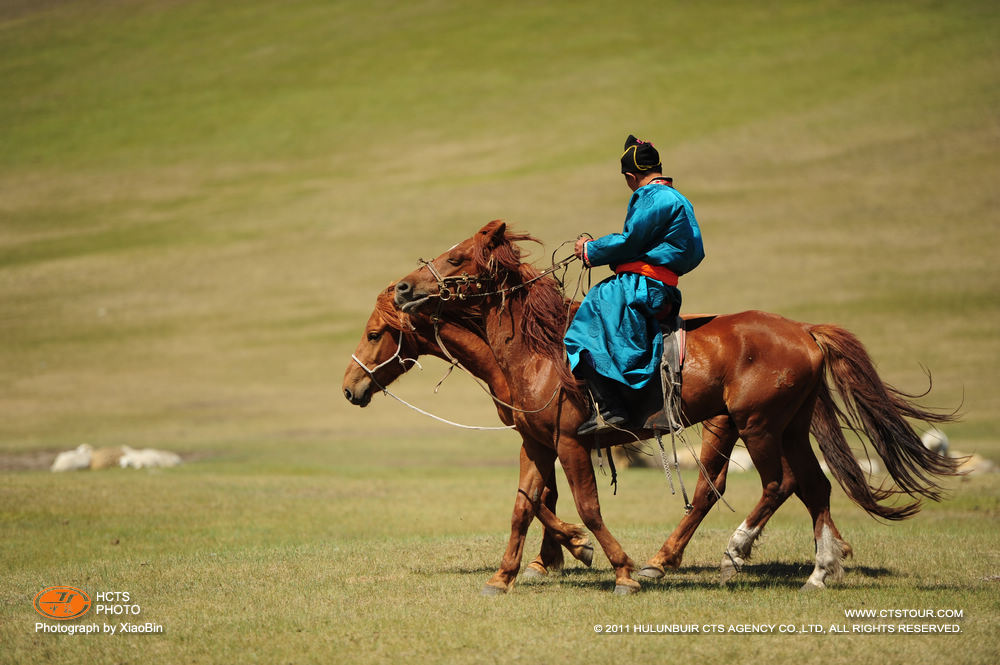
pixel 614 342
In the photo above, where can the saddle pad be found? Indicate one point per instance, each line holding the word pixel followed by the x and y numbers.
pixel 667 417
pixel 674 345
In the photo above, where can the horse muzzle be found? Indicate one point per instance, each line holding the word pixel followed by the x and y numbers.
pixel 360 394
pixel 408 297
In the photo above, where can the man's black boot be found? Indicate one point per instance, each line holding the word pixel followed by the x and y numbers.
pixel 609 409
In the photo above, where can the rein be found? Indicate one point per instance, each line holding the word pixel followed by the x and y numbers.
pixel 455 363
pixel 446 293
pixel 397 356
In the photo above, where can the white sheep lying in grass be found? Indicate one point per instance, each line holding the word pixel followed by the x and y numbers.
pixel 147 458
pixel 74 460
pixel 85 457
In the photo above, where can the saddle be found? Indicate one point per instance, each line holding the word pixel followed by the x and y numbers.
pixel 668 417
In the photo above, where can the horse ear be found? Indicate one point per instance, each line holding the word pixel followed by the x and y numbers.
pixel 494 232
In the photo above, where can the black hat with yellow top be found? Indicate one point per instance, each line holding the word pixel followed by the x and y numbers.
pixel 640 156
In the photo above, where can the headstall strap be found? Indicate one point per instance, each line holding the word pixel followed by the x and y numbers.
pixel 454 286
pixel 451 287
pixel 397 356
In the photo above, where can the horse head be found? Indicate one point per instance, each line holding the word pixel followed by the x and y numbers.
pixel 393 341
pixel 479 277
pixel 487 263
pixel 388 344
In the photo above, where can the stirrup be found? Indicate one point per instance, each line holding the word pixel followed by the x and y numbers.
pixel 606 409
pixel 599 422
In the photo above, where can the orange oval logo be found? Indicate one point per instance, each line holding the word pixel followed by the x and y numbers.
pixel 62 603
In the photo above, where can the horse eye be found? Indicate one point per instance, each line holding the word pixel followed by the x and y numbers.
pixel 374 335
pixel 455 262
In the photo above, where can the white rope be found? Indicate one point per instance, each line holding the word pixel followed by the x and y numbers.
pixel 439 418
pixel 455 363
pixel 402 361
pixel 396 356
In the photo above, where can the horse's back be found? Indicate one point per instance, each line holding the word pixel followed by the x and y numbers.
pixel 751 325
pixel 752 354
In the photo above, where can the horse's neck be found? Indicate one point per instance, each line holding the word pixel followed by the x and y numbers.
pixel 518 363
pixel 477 357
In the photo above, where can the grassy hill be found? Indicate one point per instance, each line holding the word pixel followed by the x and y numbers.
pixel 200 200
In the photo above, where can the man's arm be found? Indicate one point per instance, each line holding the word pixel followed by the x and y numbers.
pixel 645 226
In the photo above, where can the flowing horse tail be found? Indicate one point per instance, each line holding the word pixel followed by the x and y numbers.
pixel 871 407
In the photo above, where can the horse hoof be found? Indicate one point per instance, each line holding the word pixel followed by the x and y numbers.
pixel 809 587
pixel 534 571
pixel 490 590
pixel 626 587
pixel 652 572
pixel 585 555
pixel 728 571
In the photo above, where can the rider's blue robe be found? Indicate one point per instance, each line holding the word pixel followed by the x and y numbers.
pixel 615 328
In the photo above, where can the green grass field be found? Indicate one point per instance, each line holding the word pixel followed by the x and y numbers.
pixel 199 202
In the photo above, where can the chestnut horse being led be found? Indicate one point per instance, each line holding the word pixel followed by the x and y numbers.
pixel 756 376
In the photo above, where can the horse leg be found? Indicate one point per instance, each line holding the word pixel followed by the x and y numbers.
pixel 575 459
pixel 778 483
pixel 813 489
pixel 557 534
pixel 537 463
pixel 550 555
pixel 718 436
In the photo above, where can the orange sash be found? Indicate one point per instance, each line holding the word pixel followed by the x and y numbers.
pixel 659 273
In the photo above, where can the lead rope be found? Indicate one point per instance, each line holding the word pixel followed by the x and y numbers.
pixel 386 391
pixel 455 363
pixel 666 464
pixel 677 465
pixel 439 418
pixel 704 472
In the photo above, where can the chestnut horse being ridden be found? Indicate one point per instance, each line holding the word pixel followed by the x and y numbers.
pixel 765 372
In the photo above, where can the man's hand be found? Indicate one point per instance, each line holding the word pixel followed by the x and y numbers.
pixel 578 247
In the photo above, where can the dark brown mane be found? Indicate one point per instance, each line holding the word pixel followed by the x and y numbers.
pixel 544 308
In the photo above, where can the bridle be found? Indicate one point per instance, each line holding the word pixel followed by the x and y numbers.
pixel 397 356
pixel 446 293
pixel 454 286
